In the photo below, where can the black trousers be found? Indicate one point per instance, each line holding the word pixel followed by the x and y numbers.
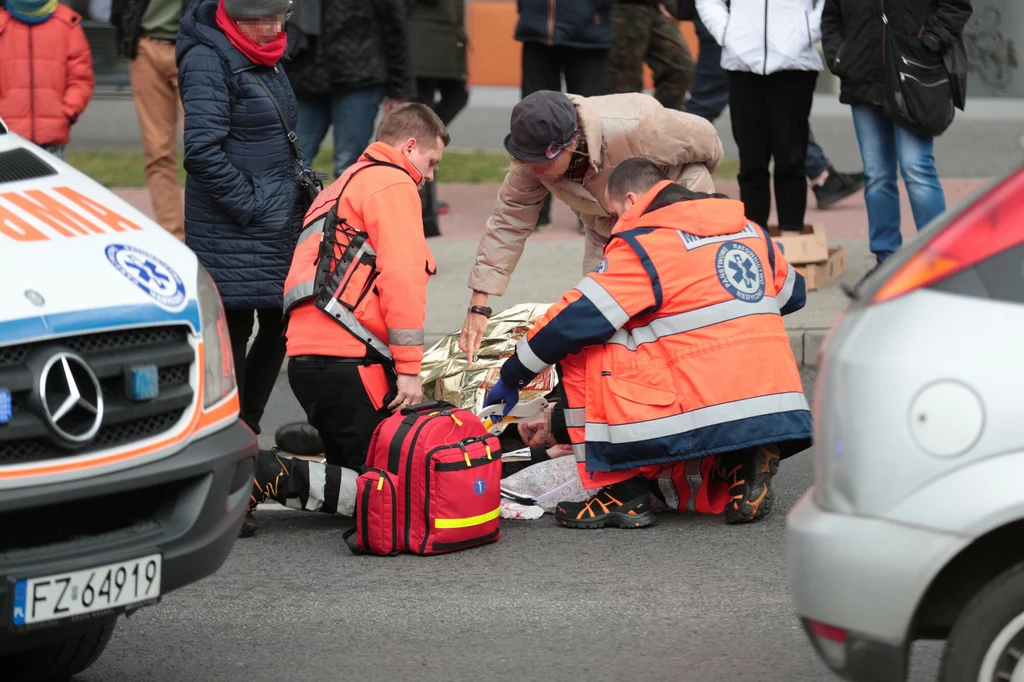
pixel 585 72
pixel 770 122
pixel 256 371
pixel 447 97
pixel 331 392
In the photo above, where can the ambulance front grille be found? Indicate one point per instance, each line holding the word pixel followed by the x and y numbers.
pixel 26 438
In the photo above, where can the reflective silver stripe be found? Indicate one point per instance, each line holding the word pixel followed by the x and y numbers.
pixel 692 241
pixel 349 321
pixel 317 486
pixel 529 358
pixel 580 450
pixel 668 487
pixel 298 293
pixel 697 419
pixel 782 298
pixel 365 248
pixel 405 337
pixel 575 417
pixel 693 319
pixel 605 302
pixel 691 470
pixel 315 227
pixel 347 493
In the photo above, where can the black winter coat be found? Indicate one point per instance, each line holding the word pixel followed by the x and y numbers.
pixel 437 35
pixel 851 37
pixel 362 43
pixel 566 23
pixel 242 209
pixel 126 16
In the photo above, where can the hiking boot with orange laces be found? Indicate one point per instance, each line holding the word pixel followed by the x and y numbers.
pixel 626 505
pixel 748 474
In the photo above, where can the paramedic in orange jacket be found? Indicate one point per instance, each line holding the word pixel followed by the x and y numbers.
pixel 673 351
pixel 347 384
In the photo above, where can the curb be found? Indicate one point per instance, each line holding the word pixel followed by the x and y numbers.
pixel 805 344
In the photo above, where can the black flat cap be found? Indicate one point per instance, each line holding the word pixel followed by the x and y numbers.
pixel 542 125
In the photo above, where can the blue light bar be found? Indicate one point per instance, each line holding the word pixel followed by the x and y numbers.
pixel 5 406
pixel 143 383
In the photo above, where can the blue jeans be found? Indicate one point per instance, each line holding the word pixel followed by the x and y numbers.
pixel 816 163
pixel 710 94
pixel 710 91
pixel 882 144
pixel 351 112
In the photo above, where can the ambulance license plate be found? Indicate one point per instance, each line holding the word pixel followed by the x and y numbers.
pixel 65 595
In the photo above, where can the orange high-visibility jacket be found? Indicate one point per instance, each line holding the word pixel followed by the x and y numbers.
pixel 383 202
pixel 681 330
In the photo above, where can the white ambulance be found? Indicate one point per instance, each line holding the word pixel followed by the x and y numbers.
pixel 124 469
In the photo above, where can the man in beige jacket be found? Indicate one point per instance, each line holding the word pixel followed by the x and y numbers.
pixel 567 146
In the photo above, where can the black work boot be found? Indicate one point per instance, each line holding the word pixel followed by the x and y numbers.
pixel 837 187
pixel 270 474
pixel 626 505
pixel 249 526
pixel 748 473
pixel 299 438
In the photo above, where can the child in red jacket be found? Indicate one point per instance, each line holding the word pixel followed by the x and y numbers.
pixel 46 77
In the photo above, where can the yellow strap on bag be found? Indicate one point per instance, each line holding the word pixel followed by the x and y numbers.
pixel 468 521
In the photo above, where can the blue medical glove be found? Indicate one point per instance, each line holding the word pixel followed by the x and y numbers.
pixel 502 393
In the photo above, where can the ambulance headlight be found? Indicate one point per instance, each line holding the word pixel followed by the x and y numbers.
pixel 219 378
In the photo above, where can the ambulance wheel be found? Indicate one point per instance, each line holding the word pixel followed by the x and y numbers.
pixel 987 640
pixel 58 660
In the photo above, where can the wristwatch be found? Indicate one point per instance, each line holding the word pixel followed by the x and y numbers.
pixel 481 310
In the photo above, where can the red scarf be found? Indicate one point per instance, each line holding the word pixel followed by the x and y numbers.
pixel 265 55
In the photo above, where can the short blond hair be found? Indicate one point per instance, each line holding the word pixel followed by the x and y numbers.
pixel 415 120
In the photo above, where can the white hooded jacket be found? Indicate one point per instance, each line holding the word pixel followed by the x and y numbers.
pixel 765 36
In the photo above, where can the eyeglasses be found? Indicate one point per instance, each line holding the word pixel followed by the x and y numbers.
pixel 555 148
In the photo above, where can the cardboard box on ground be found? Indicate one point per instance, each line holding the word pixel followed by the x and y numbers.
pixel 808 251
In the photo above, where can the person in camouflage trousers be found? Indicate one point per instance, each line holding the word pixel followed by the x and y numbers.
pixel 646 31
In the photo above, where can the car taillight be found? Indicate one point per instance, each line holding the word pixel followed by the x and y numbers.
pixel 993 224
pixel 831 643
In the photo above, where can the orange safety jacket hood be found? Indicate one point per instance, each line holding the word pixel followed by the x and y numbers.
pixel 681 331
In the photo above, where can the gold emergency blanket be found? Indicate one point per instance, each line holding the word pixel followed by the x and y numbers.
pixel 447 376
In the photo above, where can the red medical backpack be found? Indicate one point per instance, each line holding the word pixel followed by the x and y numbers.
pixel 433 484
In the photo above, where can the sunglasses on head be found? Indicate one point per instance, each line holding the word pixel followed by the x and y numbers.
pixel 555 148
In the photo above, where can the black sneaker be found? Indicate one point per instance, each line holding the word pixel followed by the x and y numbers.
pixel 249 526
pixel 748 474
pixel 837 187
pixel 625 505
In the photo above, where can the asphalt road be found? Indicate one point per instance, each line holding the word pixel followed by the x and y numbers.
pixel 687 599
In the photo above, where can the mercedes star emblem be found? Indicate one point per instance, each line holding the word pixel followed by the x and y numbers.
pixel 71 398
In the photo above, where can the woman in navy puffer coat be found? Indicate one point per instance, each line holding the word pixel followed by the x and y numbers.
pixel 243 214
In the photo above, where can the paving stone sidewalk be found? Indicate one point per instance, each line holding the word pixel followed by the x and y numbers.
pixel 551 263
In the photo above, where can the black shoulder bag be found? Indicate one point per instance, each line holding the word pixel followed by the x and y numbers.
pixel 310 182
pixel 918 90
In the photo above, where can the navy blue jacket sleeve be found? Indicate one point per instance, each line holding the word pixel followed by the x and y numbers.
pixel 587 315
pixel 206 98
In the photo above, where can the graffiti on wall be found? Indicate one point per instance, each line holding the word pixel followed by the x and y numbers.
pixel 990 54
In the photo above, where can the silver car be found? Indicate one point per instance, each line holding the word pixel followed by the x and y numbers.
pixel 914 527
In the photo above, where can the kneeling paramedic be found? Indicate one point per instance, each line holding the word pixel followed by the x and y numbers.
pixel 355 296
pixel 673 353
